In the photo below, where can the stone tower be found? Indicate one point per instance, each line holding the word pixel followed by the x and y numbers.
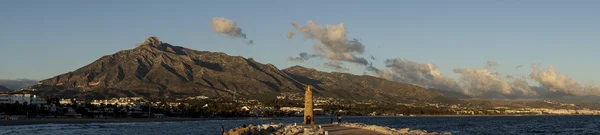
pixel 309 118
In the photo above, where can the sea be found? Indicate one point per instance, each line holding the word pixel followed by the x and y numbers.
pixel 458 125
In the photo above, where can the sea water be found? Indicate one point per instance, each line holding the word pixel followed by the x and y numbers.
pixel 501 125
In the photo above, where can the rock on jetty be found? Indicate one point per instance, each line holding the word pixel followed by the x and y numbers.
pixel 300 130
pixel 290 129
pixel 392 131
pixel 265 129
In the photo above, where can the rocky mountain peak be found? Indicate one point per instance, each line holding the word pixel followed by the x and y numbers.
pixel 152 41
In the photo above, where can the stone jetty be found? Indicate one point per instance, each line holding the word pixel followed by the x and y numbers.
pixel 327 129
pixel 391 131
pixel 273 129
pixel 265 129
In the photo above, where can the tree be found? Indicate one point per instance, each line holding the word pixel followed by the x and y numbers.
pixel 33 110
pixel 15 108
pixel 25 108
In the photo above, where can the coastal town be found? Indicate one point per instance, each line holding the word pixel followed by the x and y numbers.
pixel 24 104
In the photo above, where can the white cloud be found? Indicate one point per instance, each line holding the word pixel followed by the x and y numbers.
pixel 333 44
pixel 482 83
pixel 556 82
pixel 228 27
pixel 417 73
pixel 290 35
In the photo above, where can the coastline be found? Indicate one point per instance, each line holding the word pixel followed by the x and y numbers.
pixel 94 120
pixel 473 115
pixel 37 121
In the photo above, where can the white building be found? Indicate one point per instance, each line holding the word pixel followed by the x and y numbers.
pixel 11 98
pixel 64 101
pixel 198 97
pixel 123 101
pixel 291 109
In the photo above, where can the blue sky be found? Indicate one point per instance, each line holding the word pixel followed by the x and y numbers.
pixel 41 39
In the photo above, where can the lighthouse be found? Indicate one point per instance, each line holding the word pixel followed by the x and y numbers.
pixel 309 118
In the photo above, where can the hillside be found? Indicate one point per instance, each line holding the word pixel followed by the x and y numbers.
pixel 3 89
pixel 360 87
pixel 158 69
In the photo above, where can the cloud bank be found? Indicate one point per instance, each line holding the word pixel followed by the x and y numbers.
pixel 485 83
pixel 560 83
pixel 426 75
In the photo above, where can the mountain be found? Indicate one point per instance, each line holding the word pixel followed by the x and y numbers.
pixel 3 89
pixel 158 69
pixel 351 86
pixel 17 83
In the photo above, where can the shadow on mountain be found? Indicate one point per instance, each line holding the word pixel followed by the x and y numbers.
pixel 177 50
pixel 212 66
pixel 271 85
pixel 306 80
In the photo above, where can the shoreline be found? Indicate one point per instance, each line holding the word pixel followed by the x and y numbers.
pixel 39 121
pixel 468 115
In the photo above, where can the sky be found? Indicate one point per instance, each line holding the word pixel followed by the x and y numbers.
pixel 41 39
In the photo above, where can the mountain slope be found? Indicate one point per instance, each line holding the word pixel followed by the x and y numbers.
pixel 157 69
pixel 360 87
pixel 3 89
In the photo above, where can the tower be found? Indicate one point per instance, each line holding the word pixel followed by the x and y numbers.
pixel 309 118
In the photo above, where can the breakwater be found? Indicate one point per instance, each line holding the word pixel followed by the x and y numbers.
pixel 277 129
pixel 392 131
pixel 316 129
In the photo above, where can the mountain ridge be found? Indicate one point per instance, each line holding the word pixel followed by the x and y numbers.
pixel 158 69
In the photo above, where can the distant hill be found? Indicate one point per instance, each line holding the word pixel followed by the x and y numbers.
pixel 3 89
pixel 360 87
pixel 17 83
pixel 158 69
